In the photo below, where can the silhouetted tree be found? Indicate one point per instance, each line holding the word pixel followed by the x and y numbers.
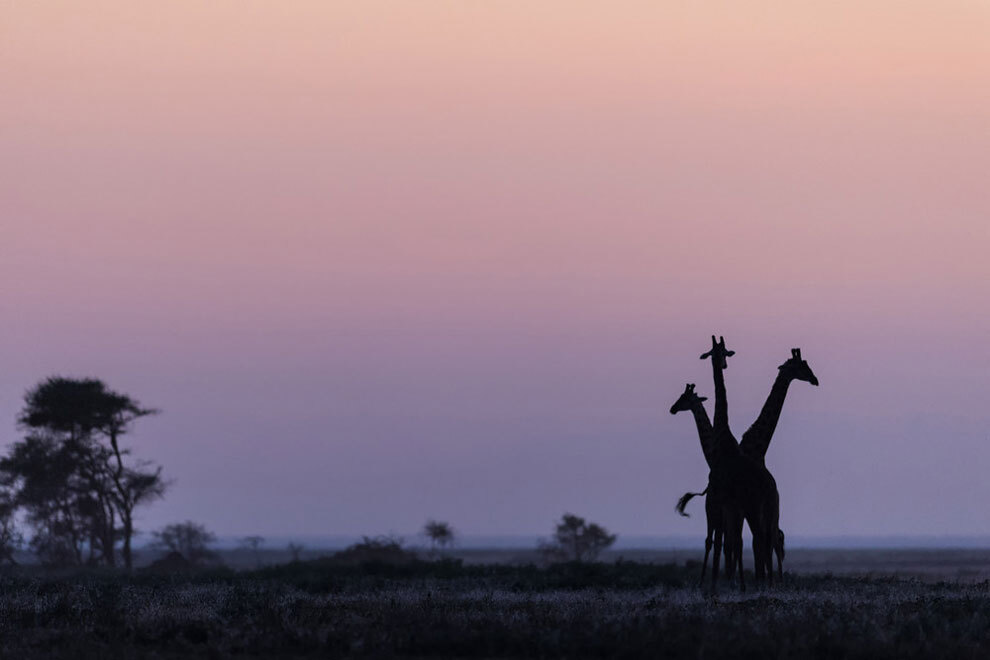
pixel 135 484
pixel 189 539
pixel 253 543
pixel 295 549
pixel 577 540
pixel 70 473
pixel 441 535
pixel 41 473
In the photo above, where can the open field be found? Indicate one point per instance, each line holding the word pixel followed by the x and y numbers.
pixel 935 564
pixel 449 609
pixel 928 564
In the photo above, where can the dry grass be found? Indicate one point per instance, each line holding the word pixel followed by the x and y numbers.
pixel 624 610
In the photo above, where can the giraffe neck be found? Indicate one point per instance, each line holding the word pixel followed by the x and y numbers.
pixel 757 438
pixel 724 444
pixel 721 404
pixel 704 432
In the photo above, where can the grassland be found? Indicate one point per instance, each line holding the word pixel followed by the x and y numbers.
pixel 449 609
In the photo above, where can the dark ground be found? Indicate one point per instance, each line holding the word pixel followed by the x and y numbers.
pixel 928 564
pixel 449 609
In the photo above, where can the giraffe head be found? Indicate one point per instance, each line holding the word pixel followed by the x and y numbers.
pixel 687 401
pixel 719 353
pixel 798 369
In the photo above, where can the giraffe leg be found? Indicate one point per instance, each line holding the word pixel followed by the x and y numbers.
pixel 739 556
pixel 756 560
pixel 759 561
pixel 779 545
pixel 772 538
pixel 771 574
pixel 730 560
pixel 704 564
pixel 715 559
pixel 729 545
pixel 771 534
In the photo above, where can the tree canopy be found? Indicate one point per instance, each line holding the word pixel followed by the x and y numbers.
pixel 574 539
pixel 70 475
pixel 440 534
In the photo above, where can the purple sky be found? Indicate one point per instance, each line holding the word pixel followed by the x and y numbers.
pixel 379 264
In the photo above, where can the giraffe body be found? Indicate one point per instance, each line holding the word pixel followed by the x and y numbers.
pixel 742 487
pixel 689 400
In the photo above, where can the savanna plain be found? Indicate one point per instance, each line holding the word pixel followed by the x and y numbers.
pixel 501 603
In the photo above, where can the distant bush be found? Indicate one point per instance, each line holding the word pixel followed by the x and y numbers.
pixel 378 549
pixel 574 539
pixel 440 534
pixel 253 544
pixel 188 539
pixel 295 550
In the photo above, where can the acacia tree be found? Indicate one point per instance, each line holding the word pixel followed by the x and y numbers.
pixel 189 539
pixel 132 485
pixel 574 539
pixel 441 535
pixel 40 474
pixel 253 544
pixel 295 550
pixel 71 474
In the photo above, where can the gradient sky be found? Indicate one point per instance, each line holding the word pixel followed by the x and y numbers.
pixel 384 261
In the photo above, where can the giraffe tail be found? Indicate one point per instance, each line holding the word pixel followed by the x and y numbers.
pixel 685 498
pixel 780 544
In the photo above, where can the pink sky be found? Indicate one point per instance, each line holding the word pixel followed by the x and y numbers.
pixel 384 261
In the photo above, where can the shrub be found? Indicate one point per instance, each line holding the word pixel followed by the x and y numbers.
pixel 575 539
pixel 379 549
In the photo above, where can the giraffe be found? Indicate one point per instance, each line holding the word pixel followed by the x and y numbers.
pixel 691 401
pixel 729 514
pixel 742 487
pixel 756 439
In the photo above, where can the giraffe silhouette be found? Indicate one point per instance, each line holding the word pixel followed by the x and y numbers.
pixel 756 439
pixel 689 400
pixel 742 487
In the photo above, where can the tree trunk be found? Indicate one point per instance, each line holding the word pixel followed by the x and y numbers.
pixel 125 504
pixel 128 531
pixel 110 543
